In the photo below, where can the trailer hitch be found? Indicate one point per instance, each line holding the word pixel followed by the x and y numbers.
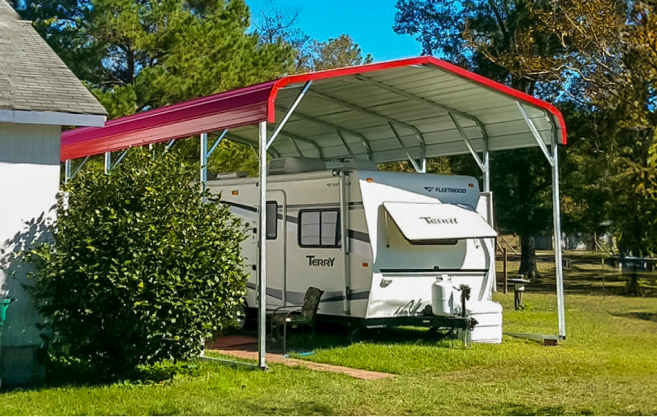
pixel 465 296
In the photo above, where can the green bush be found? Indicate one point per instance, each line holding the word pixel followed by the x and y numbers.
pixel 140 270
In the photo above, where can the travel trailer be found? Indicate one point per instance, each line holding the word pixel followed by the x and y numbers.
pixel 386 248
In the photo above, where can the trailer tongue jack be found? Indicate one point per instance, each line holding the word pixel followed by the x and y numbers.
pixel 465 296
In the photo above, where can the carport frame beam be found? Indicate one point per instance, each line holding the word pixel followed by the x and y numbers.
pixel 298 138
pixel 537 136
pixel 484 165
pixel 289 113
pixel 246 142
pixel 84 161
pixel 420 137
pixel 553 160
pixel 296 146
pixel 418 168
pixel 346 145
pixel 169 145
pixel 118 161
pixel 205 154
pixel 363 139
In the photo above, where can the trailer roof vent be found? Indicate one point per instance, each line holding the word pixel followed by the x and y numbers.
pixel 295 165
pixel 354 164
pixel 231 175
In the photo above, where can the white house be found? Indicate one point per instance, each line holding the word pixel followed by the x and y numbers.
pixel 38 95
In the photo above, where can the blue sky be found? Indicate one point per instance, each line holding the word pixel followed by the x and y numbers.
pixel 368 22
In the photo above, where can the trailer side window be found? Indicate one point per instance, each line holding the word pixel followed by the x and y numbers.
pixel 319 228
pixel 272 223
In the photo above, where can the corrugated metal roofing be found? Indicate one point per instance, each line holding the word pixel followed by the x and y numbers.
pixel 360 103
pixel 33 77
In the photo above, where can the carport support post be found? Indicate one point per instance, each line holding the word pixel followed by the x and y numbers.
pixel 67 170
pixel 491 220
pixel 557 239
pixel 204 161
pixel 262 248
pixel 553 159
pixel 487 165
pixel 108 162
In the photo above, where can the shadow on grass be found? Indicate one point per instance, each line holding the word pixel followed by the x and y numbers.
pixel 60 375
pixel 513 409
pixel 638 315
pixel 328 336
pixel 300 408
pixel 334 335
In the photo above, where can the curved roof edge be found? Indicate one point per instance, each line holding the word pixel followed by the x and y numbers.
pixel 423 60
pixel 248 106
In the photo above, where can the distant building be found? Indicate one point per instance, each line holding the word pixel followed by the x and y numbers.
pixel 544 242
pixel 38 95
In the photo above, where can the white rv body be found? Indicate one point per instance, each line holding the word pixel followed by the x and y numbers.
pixel 405 233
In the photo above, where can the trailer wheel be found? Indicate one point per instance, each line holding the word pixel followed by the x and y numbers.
pixel 356 332
pixel 240 314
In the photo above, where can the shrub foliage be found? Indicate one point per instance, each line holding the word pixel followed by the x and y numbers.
pixel 139 270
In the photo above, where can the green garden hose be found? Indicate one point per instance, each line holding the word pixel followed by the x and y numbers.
pixel 4 305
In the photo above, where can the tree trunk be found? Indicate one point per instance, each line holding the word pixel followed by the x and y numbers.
pixel 525 203
pixel 528 257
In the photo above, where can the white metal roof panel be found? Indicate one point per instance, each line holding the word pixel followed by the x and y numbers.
pixel 419 96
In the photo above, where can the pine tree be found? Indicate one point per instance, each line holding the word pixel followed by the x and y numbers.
pixel 136 56
pixel 140 55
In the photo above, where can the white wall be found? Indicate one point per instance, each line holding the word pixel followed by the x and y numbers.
pixel 29 182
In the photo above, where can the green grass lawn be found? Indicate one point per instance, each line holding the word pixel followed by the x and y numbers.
pixel 608 365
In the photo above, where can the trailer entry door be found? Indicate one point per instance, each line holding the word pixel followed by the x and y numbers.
pixel 433 223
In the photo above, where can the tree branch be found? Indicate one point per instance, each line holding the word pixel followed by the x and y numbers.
pixel 500 21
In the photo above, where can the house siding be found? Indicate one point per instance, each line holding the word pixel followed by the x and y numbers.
pixel 29 182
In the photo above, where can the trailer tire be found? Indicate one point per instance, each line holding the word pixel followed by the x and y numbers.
pixel 240 313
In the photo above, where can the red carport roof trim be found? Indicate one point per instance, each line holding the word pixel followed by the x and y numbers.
pixel 423 60
pixel 244 106
pixel 241 107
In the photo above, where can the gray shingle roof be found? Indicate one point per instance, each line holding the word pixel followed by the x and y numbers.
pixel 32 76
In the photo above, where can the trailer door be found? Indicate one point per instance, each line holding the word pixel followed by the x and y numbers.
pixel 276 248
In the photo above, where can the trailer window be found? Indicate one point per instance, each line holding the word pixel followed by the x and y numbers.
pixel 272 223
pixel 319 228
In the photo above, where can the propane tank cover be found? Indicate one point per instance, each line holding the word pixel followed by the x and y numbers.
pixel 441 293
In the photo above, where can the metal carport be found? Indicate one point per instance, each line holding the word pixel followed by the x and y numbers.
pixel 408 109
